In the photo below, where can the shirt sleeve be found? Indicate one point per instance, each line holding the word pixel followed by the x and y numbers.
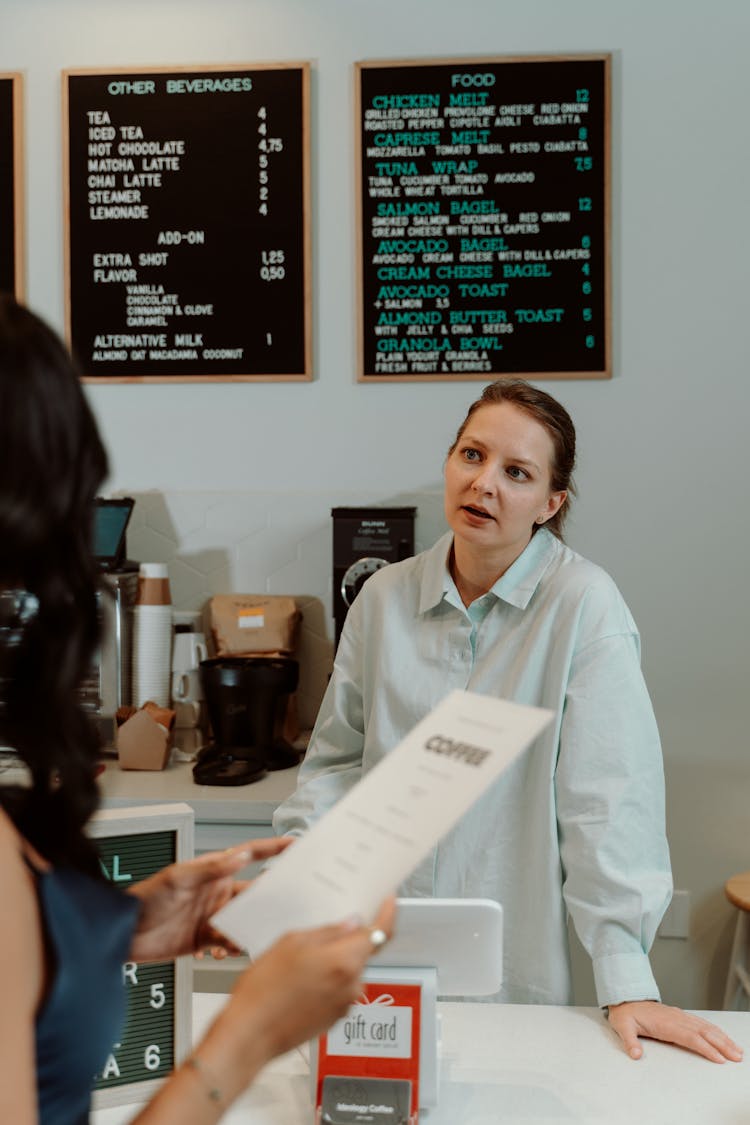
pixel 333 762
pixel 609 791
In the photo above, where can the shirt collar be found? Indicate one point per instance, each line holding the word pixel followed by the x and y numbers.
pixel 516 586
pixel 435 573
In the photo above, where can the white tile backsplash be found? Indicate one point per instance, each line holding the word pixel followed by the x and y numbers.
pixel 262 542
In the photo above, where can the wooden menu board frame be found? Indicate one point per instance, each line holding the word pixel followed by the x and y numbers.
pixel 187 222
pixel 483 218
pixel 12 242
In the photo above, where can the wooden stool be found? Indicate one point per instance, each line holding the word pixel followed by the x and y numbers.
pixel 737 994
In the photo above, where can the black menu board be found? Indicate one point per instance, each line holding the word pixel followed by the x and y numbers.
pixel 187 233
pixel 484 218
pixel 11 193
pixel 133 844
pixel 145 1049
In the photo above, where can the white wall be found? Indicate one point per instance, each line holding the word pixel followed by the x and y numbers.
pixel 662 475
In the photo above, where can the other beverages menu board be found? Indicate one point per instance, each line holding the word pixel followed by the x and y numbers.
pixel 187 241
pixel 484 218
pixel 11 254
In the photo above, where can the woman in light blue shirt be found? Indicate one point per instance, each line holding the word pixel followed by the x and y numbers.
pixel 501 606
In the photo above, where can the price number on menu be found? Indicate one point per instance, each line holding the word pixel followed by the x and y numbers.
pixel 266 147
pixel 272 267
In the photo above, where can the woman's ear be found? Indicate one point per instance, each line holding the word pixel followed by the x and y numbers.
pixel 555 502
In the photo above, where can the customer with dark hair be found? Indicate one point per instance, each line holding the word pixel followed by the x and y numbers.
pixel 502 607
pixel 65 929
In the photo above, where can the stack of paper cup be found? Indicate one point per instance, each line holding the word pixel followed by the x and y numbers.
pixel 152 636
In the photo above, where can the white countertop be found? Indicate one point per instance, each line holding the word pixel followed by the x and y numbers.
pixel 246 804
pixel 527 1065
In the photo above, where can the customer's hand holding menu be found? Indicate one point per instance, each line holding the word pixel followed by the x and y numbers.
pixel 368 843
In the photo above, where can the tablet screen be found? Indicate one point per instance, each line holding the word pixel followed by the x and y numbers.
pixel 110 521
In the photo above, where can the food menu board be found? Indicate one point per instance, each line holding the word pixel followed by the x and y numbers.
pixel 11 192
pixel 483 200
pixel 187 223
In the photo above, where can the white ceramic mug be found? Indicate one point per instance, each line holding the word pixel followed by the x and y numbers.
pixel 186 686
pixel 188 714
pixel 188 649
pixel 187 652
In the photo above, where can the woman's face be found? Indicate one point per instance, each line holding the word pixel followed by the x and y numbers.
pixel 497 482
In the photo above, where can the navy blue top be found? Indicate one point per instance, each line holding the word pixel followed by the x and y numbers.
pixel 88 930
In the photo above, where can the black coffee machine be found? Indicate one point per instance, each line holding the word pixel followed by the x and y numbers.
pixel 246 700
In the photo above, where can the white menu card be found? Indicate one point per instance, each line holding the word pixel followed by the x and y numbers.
pixel 368 843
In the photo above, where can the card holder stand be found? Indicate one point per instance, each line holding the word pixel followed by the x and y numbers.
pixel 380 1062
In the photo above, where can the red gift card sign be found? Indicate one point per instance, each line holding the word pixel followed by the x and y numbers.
pixel 377 1038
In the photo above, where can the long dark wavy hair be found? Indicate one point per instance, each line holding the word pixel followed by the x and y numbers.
pixel 52 463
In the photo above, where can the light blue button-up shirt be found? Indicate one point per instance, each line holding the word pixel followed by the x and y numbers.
pixel 577 823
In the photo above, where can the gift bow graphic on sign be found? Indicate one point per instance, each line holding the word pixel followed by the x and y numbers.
pixel 384 998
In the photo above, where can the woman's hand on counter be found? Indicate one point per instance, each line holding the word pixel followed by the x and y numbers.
pixel 177 902
pixel 649 1019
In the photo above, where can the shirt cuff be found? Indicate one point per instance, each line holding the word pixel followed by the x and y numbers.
pixel 624 976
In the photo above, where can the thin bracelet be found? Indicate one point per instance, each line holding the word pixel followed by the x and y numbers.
pixel 212 1090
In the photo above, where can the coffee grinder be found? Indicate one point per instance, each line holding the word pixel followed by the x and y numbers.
pixel 364 540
